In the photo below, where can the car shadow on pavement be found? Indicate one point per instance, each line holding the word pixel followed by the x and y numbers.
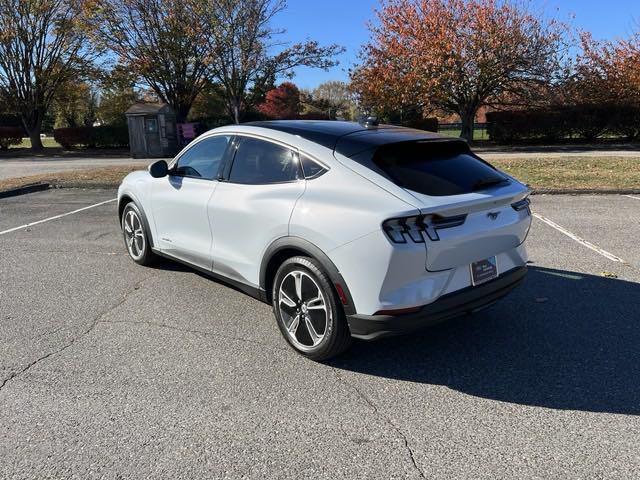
pixel 562 340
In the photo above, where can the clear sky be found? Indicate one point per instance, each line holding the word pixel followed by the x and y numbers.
pixel 344 22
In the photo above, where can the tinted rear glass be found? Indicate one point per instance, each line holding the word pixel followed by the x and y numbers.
pixel 432 168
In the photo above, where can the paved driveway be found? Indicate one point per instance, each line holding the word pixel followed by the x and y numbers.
pixel 110 370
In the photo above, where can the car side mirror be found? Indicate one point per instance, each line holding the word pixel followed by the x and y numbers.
pixel 159 169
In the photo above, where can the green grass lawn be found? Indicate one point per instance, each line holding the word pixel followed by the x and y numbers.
pixel 47 142
pixel 477 133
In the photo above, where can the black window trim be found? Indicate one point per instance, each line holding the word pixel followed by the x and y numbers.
pixel 225 156
pixel 238 137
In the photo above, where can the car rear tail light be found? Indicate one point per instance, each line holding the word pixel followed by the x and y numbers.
pixel 522 205
pixel 396 229
pixel 401 230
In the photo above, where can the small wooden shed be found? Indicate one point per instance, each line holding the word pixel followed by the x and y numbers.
pixel 152 130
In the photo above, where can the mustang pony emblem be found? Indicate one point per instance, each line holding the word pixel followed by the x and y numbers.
pixel 493 215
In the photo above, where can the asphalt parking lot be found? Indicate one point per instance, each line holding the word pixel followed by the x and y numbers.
pixel 111 370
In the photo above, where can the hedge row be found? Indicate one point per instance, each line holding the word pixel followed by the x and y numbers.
pixel 429 124
pixel 587 122
pixel 10 136
pixel 92 137
pixel 10 120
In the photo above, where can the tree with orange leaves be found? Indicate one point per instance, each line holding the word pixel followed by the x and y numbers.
pixel 456 56
pixel 606 71
pixel 282 102
pixel 607 76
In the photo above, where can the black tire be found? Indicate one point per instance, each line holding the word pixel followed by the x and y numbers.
pixel 140 250
pixel 336 337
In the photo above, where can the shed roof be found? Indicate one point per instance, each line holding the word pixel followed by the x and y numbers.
pixel 148 109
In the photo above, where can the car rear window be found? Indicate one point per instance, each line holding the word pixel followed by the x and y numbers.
pixel 432 167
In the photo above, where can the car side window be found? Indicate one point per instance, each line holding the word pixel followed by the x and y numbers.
pixel 203 159
pixel 311 168
pixel 258 162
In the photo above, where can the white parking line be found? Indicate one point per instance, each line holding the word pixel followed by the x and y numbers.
pixel 580 240
pixel 57 216
pixel 631 196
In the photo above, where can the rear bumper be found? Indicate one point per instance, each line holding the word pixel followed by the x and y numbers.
pixel 467 300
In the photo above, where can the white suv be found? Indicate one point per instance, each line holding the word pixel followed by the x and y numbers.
pixel 348 230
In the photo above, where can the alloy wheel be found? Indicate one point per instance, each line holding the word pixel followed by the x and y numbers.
pixel 303 309
pixel 134 234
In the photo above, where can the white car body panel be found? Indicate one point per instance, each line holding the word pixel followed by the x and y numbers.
pixel 398 275
pixel 179 208
pixel 246 219
pixel 341 206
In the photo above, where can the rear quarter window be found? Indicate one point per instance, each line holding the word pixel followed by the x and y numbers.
pixel 432 168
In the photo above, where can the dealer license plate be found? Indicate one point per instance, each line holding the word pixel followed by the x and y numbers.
pixel 484 270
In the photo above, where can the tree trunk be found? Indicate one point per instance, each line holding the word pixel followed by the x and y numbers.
pixel 468 117
pixel 36 141
pixel 34 135
pixel 182 112
pixel 236 111
pixel 33 126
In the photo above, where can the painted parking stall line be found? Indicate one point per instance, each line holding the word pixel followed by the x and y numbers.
pixel 14 229
pixel 633 196
pixel 578 239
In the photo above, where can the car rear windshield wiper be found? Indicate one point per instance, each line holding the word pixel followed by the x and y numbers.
pixel 488 182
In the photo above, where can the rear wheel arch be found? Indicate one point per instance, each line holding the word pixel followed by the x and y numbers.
pixel 286 247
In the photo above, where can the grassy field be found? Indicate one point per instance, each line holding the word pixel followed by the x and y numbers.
pixel 568 172
pixel 47 142
pixel 477 134
pixel 574 172
pixel 106 176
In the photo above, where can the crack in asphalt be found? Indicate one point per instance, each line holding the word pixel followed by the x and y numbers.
pixel 73 340
pixel 385 419
pixel 47 252
pixel 198 333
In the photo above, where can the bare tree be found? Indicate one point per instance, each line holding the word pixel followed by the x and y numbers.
pixel 242 42
pixel 162 41
pixel 335 97
pixel 41 47
pixel 178 47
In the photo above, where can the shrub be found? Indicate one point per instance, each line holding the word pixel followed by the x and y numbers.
pixel 626 122
pixel 10 136
pixel 314 116
pixel 73 136
pixel 92 137
pixel 111 136
pixel 586 122
pixel 516 126
pixel 429 124
pixel 10 120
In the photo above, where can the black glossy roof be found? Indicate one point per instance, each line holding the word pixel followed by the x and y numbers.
pixel 348 138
